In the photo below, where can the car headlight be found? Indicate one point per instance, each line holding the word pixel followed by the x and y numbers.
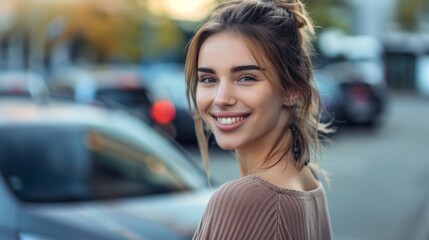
pixel 32 236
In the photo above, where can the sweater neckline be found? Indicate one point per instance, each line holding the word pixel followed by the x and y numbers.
pixel 279 189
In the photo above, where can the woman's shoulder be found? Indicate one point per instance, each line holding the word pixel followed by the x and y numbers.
pixel 251 203
pixel 233 208
pixel 240 192
pixel 247 185
pixel 240 199
pixel 254 188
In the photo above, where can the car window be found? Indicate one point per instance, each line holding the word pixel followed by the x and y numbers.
pixel 70 163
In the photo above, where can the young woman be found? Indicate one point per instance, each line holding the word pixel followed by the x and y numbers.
pixel 249 76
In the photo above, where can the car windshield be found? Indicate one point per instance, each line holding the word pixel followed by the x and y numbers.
pixel 71 163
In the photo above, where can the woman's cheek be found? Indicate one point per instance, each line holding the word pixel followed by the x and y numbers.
pixel 202 100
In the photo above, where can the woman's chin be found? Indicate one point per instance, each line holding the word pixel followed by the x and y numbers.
pixel 226 145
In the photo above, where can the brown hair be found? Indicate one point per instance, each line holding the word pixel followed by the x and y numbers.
pixel 278 33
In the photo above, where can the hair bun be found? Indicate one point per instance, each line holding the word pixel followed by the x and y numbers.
pixel 297 9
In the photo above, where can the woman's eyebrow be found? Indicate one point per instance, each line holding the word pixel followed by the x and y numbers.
pixel 233 69
pixel 206 70
pixel 245 68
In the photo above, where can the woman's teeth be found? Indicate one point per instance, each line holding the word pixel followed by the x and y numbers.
pixel 229 120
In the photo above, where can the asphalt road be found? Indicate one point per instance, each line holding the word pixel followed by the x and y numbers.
pixel 379 177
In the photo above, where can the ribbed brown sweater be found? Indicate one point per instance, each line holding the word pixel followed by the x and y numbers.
pixel 253 208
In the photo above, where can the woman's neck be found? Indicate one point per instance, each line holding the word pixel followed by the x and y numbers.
pixel 261 158
pixel 280 171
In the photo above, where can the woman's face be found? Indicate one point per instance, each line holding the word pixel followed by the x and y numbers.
pixel 235 99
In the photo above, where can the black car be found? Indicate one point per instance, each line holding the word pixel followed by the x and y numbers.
pixel 362 90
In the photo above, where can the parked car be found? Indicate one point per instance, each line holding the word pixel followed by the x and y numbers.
pixel 356 62
pixel 22 84
pixel 104 85
pixel 70 171
pixel 363 90
pixel 118 86
pixel 167 81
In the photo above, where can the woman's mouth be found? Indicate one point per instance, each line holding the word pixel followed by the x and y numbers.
pixel 229 122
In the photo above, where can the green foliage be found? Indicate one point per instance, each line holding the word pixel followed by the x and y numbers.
pixel 328 13
pixel 408 12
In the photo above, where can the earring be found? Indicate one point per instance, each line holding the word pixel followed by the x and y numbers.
pixel 295 147
pixel 296 150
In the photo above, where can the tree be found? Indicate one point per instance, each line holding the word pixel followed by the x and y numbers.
pixel 328 13
pixel 409 11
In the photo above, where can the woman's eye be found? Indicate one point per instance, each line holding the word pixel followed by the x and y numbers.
pixel 247 78
pixel 207 80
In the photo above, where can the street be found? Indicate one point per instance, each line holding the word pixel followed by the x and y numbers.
pixel 379 181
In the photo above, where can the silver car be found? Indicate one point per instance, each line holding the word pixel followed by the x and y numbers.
pixel 71 172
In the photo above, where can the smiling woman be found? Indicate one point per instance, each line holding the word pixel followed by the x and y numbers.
pixel 249 76
pixel 235 88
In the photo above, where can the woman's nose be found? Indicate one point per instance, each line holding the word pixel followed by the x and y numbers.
pixel 225 95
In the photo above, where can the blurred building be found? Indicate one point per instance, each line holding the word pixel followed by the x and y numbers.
pixel 400 26
pixel 371 17
pixel 42 34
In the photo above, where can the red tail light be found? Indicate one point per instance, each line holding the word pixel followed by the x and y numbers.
pixel 162 112
pixel 360 94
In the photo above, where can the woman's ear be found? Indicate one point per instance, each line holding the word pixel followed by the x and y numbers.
pixel 291 99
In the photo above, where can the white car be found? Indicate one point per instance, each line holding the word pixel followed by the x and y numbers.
pixel 71 171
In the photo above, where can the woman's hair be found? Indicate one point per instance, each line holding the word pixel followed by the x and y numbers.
pixel 278 33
